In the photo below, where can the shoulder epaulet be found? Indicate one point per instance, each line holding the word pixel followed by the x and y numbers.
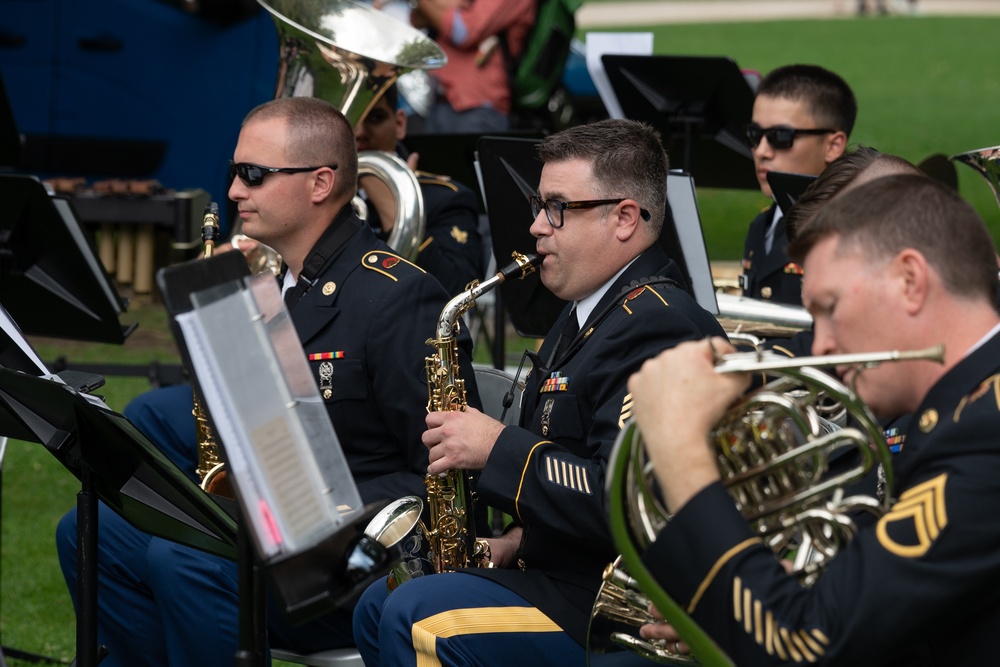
pixel 426 178
pixel 652 287
pixel 384 262
pixel 990 387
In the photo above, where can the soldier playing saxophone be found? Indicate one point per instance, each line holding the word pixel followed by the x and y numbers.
pixel 598 215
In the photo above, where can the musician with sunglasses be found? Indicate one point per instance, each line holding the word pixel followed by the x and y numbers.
pixel 598 215
pixel 802 116
pixel 363 315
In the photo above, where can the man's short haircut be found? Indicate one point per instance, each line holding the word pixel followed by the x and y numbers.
pixel 318 135
pixel 889 214
pixel 849 170
pixel 828 98
pixel 627 159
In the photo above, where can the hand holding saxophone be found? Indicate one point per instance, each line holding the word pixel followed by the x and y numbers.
pixel 678 398
pixel 459 440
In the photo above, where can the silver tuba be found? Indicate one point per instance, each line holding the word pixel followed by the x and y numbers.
pixel 348 54
pixel 986 163
pixel 773 452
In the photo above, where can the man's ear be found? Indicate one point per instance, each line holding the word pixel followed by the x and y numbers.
pixel 914 274
pixel 836 144
pixel 324 180
pixel 628 218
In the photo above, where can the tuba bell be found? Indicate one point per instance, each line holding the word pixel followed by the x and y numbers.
pixel 348 54
pixel 773 453
pixel 986 163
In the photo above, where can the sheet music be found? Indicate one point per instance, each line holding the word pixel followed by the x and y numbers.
pixel 291 475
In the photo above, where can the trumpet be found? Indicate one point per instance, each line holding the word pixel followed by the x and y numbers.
pixel 773 453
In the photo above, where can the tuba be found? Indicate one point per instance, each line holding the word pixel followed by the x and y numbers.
pixel 773 452
pixel 986 163
pixel 348 54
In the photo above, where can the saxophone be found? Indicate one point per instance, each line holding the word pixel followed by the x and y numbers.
pixel 210 464
pixel 451 534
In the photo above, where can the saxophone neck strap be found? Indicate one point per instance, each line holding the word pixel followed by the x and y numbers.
pixel 330 245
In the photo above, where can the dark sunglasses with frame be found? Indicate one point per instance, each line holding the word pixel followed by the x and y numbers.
pixel 554 208
pixel 779 137
pixel 253 175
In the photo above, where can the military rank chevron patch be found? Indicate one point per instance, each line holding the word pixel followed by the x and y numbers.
pixel 915 521
pixel 626 410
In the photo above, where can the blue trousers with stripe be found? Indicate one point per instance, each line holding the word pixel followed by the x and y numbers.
pixel 457 619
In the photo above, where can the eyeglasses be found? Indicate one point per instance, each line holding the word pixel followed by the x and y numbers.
pixel 253 175
pixel 554 208
pixel 778 137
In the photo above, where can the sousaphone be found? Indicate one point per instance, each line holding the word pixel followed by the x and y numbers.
pixel 348 54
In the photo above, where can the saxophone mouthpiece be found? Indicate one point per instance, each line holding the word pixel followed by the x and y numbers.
pixel 521 266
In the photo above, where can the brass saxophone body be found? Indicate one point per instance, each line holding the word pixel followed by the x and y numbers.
pixel 451 534
pixel 210 464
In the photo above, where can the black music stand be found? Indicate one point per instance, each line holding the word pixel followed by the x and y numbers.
pixel 51 282
pixel 10 138
pixel 511 171
pixel 116 464
pixel 308 581
pixel 700 105
pixel 787 187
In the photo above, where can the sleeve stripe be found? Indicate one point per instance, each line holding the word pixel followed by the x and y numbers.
pixel 706 582
pixel 524 471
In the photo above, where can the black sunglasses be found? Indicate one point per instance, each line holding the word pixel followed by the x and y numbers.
pixel 554 208
pixel 253 175
pixel 778 137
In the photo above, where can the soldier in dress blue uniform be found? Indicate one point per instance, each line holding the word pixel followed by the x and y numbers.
pixel 922 584
pixel 363 315
pixel 598 214
pixel 452 248
pixel 802 116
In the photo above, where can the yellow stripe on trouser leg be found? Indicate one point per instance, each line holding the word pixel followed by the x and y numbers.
pixel 474 621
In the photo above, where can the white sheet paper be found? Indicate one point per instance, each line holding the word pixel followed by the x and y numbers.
pixel 617 43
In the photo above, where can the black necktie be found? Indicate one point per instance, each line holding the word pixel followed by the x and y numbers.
pixel 569 331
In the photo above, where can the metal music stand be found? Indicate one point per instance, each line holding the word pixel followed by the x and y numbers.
pixel 10 138
pixel 700 105
pixel 510 174
pixel 787 187
pixel 292 523
pixel 51 284
pixel 51 281
pixel 116 464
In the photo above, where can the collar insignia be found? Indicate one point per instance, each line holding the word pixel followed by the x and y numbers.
pixel 928 420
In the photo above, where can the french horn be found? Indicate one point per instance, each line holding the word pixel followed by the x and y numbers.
pixel 348 54
pixel 773 452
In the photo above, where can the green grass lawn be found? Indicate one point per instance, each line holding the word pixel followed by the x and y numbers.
pixel 925 85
